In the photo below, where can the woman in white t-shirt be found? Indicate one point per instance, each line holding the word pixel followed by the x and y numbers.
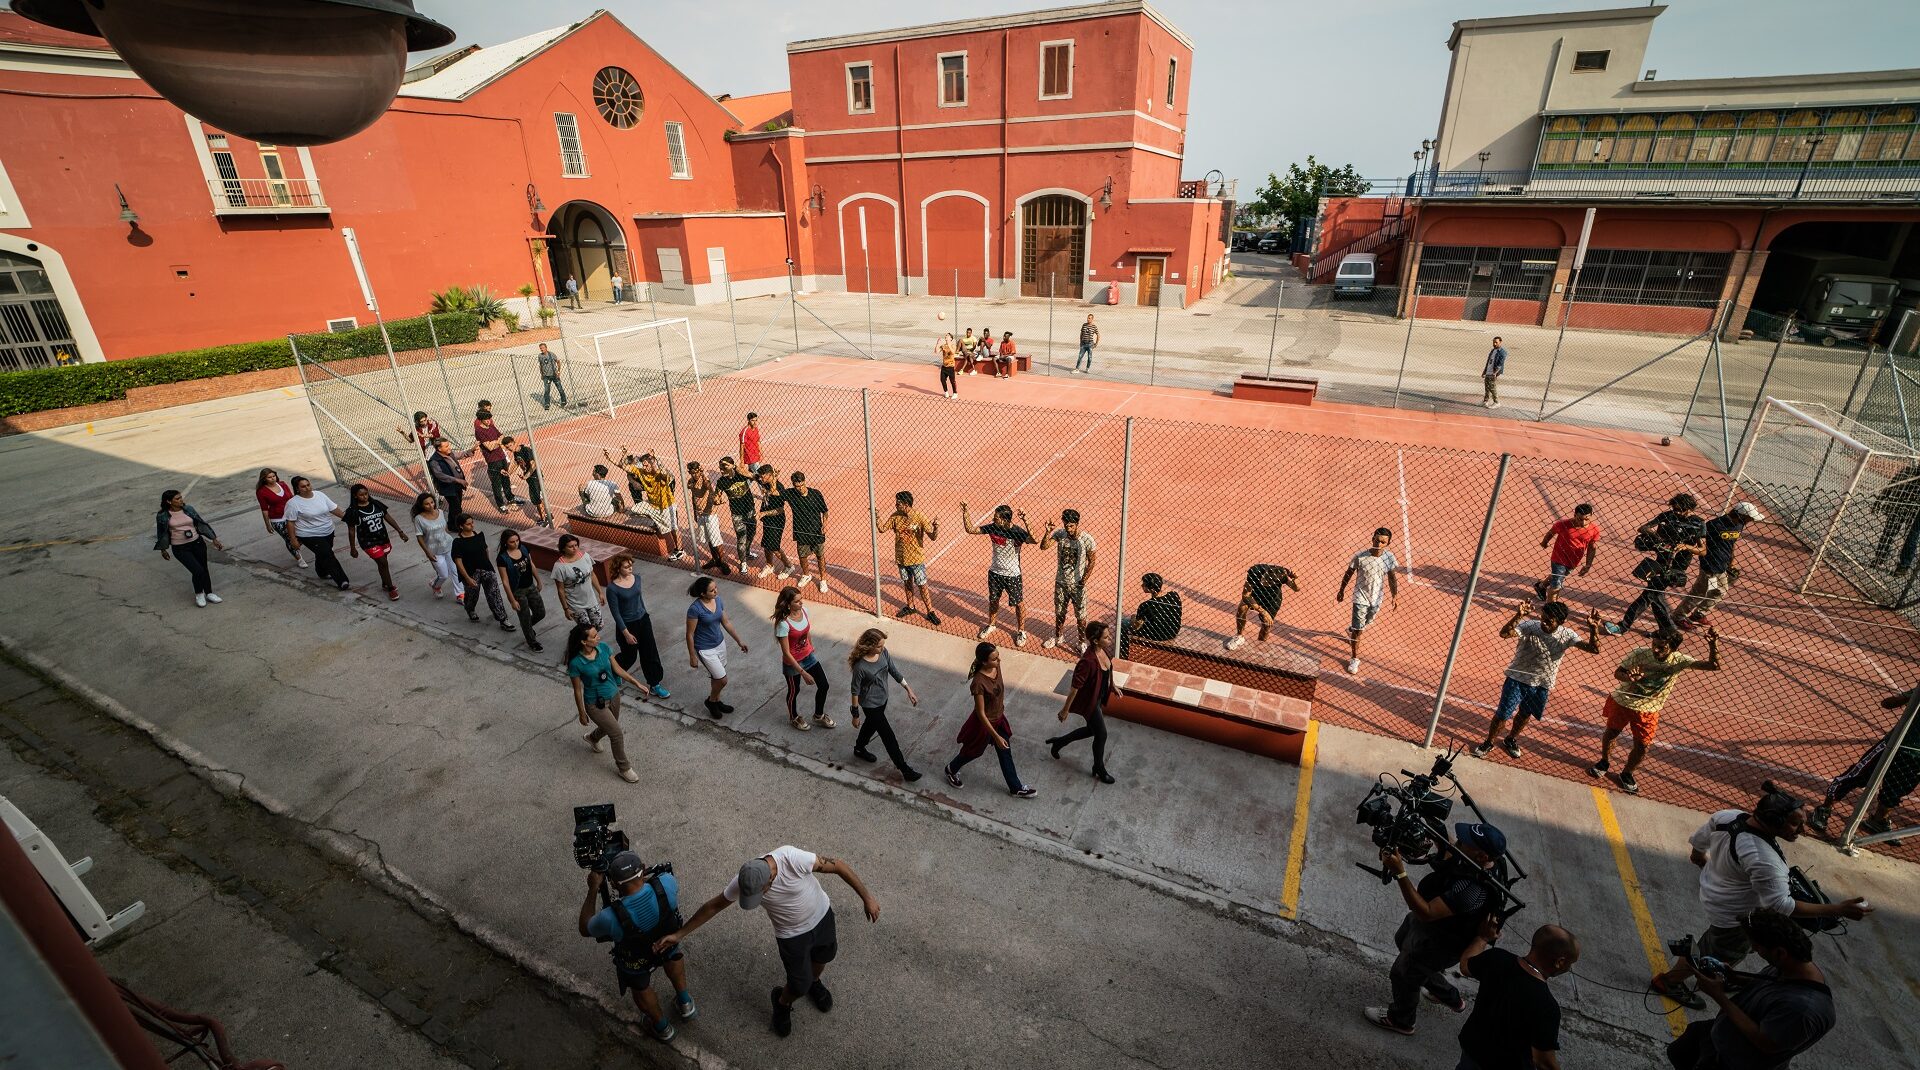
pixel 310 516
pixel 437 543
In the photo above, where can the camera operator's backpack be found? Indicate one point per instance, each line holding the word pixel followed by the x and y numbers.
pixel 633 952
pixel 1802 888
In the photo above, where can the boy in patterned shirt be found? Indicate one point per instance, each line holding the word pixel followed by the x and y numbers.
pixel 1076 553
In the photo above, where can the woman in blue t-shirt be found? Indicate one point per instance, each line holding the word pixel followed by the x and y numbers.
pixel 707 632
pixel 596 680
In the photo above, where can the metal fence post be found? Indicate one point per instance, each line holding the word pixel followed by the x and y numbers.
pixel 1760 395
pixel 1120 559
pixel 680 461
pixel 1853 484
pixel 659 343
pixel 433 332
pixel 513 368
pixel 1566 313
pixel 1466 599
pixel 1871 789
pixel 1827 454
pixel 1899 395
pixel 956 299
pixel 306 389
pixel 733 320
pixel 1273 337
pixel 793 302
pixel 869 271
pixel 1050 289
pixel 1700 381
pixel 1413 314
pixel 873 507
pixel 1153 360
pixel 566 362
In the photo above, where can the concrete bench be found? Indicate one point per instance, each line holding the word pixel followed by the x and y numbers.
pixel 543 545
pixel 1267 666
pixel 1230 715
pixel 1020 364
pixel 1281 389
pixel 619 531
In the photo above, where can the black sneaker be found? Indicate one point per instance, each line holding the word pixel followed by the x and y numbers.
pixel 933 618
pixel 952 781
pixel 1511 747
pixel 724 708
pixel 534 646
pixel 1024 793
pixel 713 709
pixel 1480 750
pixel 1628 784
pixel 1679 993
pixel 782 1016
pixel 506 626
pixel 905 611
pixel 1597 769
pixel 864 754
pixel 910 775
pixel 821 998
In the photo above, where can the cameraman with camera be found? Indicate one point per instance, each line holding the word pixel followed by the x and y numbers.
pixel 644 908
pixel 1444 915
pixel 1743 870
pixel 1770 1017
pixel 1673 538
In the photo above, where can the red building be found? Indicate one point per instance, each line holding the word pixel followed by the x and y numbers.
pixel 1006 150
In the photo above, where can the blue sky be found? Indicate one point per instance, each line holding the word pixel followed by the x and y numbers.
pixel 1273 80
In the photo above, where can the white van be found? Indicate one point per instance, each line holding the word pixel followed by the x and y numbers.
pixel 1354 276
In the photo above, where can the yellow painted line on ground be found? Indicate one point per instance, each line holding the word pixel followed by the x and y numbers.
pixel 1297 843
pixel 62 542
pixel 89 429
pixel 1636 902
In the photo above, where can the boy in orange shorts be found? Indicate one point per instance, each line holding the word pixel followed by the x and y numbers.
pixel 1646 679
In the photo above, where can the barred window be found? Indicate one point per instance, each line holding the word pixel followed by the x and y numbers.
pixel 1519 274
pixel 1653 277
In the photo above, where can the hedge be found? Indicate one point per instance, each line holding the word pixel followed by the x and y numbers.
pixel 90 384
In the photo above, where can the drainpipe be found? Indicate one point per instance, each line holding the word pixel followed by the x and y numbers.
pixel 900 171
pixel 792 224
pixel 1005 179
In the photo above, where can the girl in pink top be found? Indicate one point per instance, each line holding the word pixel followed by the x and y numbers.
pixel 272 495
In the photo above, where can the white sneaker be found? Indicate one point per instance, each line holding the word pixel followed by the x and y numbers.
pixel 630 777
pixel 823 585
pixel 1353 665
pixel 214 598
pixel 301 562
pixel 1236 642
pixel 765 571
pixel 1050 644
pixel 784 573
pixel 969 371
pixel 200 600
pixel 592 742
pixel 1019 638
pixel 986 631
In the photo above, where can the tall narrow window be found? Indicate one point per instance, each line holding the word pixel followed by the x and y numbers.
pixel 677 152
pixel 573 159
pixel 277 187
pixel 1056 70
pixel 859 88
pixel 1173 75
pixel 230 185
pixel 953 80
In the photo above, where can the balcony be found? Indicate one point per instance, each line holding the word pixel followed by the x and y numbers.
pixel 1201 189
pixel 573 164
pixel 1877 185
pixel 266 196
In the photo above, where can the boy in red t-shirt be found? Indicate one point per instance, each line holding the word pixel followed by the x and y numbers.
pixel 1575 541
pixel 750 458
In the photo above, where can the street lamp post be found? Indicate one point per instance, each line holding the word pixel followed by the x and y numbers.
pixel 1813 146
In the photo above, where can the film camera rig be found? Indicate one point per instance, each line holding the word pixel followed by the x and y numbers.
pixel 1411 820
pixel 596 840
pixel 1665 567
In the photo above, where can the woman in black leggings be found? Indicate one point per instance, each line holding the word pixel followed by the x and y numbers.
pixel 1092 687
pixel 792 632
pixel 871 665
pixel 180 533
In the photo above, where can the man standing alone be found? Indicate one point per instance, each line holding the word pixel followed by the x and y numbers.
pixel 550 378
pixel 1490 374
pixel 573 292
pixel 1089 337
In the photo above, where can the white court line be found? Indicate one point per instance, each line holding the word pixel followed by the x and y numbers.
pixel 1831 624
pixel 1406 520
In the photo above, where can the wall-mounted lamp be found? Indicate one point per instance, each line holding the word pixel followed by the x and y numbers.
pixel 817 200
pixel 127 214
pixel 1106 194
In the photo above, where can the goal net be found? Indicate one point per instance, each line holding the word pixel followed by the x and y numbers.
pixel 1845 491
pixel 635 363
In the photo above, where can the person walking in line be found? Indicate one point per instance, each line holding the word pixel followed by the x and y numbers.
pixel 707 632
pixel 1074 553
pixel 808 507
pixel 632 626
pixel 1087 696
pixel 488 440
pixel 1539 645
pixel 968 344
pixel 785 881
pixel 738 488
pixel 595 677
pixel 1903 775
pixel 1490 374
pixel 872 665
pixel 792 632
pixel 449 480
pixel 577 586
pixel 1646 677
pixel 1898 503
pixel 1089 338
pixel 1674 538
pixel 1260 598
pixel 425 432
pixel 988 725
pixel 371 528
pixel 911 532
pixel 704 498
pixel 573 292
pixel 436 542
pixel 1575 541
pixel 1003 360
pixel 949 352
pixel 180 533
pixel 476 571
pixel 529 466
pixel 521 582
pixel 644 904
pixel 1717 573
pixel 773 522
pixel 750 454
pixel 272 495
pixel 550 377
pixel 1372 573
pixel 600 497
pixel 310 515
pixel 1003 572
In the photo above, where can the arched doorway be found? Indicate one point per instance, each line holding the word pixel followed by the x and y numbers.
pixel 1053 246
pixel 586 242
pixel 34 330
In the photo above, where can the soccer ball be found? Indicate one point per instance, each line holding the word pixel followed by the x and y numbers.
pixel 939 315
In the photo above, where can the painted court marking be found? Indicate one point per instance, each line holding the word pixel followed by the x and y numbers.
pixel 1297 842
pixel 1637 902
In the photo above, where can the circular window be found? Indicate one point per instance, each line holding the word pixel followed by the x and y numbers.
pixel 618 97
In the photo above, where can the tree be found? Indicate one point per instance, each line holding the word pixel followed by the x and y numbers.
pixel 1298 195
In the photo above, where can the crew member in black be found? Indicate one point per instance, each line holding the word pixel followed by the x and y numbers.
pixel 1767 1021
pixel 1676 535
pixel 1444 912
pixel 1515 1024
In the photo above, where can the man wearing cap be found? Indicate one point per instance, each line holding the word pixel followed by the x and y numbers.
pixel 642 906
pixel 1444 913
pixel 785 881
pixel 1716 565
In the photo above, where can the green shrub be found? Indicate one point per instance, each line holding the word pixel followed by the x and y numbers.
pixel 91 384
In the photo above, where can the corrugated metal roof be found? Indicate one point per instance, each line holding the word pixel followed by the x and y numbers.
pixel 460 80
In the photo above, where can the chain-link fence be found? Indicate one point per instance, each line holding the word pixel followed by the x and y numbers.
pixel 1202 506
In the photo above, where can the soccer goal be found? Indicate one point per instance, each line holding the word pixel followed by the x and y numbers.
pixel 644 360
pixel 1847 492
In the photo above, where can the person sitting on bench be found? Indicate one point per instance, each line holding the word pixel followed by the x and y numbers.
pixel 1158 618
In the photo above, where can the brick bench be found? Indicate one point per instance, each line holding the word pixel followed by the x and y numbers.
pixel 1281 389
pixel 1020 364
pixel 619 532
pixel 543 546
pixel 1231 715
pixel 1267 666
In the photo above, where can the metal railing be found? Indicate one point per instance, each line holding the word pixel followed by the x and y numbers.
pixel 573 164
pixel 265 195
pixel 1792 183
pixel 1201 189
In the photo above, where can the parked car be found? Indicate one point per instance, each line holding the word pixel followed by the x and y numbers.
pixel 1245 240
pixel 1272 241
pixel 1355 275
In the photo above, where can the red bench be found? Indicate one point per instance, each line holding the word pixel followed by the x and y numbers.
pixel 617 531
pixel 1231 715
pixel 1262 666
pixel 1282 389
pixel 1020 364
pixel 543 545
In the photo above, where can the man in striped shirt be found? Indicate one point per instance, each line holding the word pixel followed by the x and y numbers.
pixel 1089 337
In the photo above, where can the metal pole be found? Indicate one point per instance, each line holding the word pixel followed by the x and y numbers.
pixel 1746 451
pixel 1566 313
pixel 1120 559
pixel 734 320
pixel 1853 484
pixel 1706 362
pixel 1720 378
pixel 566 355
pixel 1648 363
pixel 306 390
pixel 873 507
pixel 1153 361
pixel 1273 337
pixel 433 332
pixel 680 461
pixel 869 271
pixel 393 362
pixel 793 303
pixel 1413 315
pixel 1827 454
pixel 601 359
pixel 1872 787
pixel 659 343
pixel 1050 289
pixel 1759 396
pixel 1466 599
pixel 526 418
pixel 956 299
pixel 1899 396
pixel 362 443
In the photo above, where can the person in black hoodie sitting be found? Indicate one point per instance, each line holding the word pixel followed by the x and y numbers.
pixel 1157 620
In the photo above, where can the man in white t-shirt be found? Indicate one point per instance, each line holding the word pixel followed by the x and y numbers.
pixel 785 882
pixel 1538 647
pixel 599 497
pixel 1371 573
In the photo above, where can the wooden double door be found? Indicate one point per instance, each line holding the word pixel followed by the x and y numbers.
pixel 1053 247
